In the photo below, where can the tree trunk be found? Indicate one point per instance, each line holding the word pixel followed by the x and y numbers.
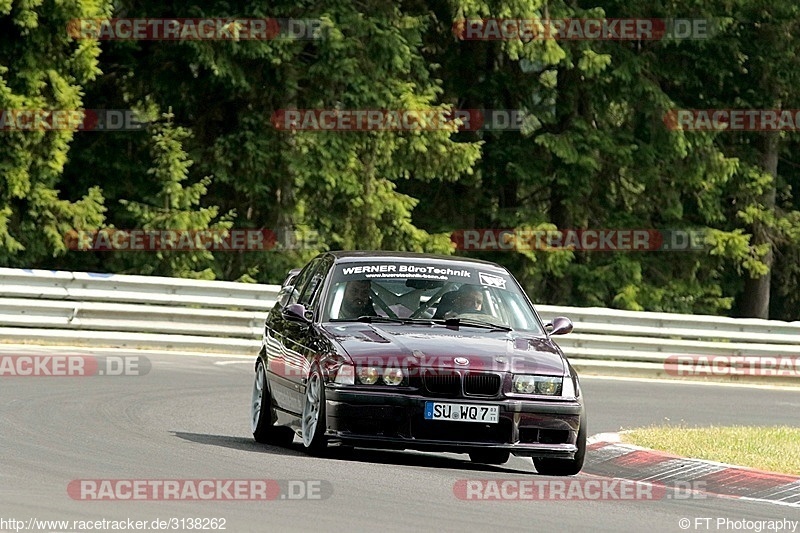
pixel 285 194
pixel 755 300
pixel 561 289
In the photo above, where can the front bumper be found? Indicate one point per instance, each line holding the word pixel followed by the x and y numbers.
pixel 532 428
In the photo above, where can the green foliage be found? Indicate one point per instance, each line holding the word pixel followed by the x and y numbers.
pixel 42 69
pixel 175 206
pixel 593 150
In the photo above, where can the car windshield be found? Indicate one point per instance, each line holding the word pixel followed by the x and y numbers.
pixel 428 293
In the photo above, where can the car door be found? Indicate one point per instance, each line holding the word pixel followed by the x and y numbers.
pixel 284 341
pixel 306 338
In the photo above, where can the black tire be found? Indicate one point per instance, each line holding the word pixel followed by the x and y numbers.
pixel 565 467
pixel 490 457
pixel 313 421
pixel 262 423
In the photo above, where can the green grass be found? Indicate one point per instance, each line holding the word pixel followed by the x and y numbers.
pixel 776 449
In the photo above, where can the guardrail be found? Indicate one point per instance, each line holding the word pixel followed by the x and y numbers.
pixel 645 336
pixel 632 343
pixel 84 309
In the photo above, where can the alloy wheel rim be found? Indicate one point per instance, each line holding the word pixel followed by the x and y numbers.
pixel 311 410
pixel 258 395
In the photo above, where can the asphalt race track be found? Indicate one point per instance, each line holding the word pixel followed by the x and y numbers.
pixel 188 418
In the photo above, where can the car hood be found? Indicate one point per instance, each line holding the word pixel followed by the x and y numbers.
pixel 462 347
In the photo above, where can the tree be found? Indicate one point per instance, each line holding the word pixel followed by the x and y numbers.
pixel 594 153
pixel 42 69
pixel 174 207
pixel 342 185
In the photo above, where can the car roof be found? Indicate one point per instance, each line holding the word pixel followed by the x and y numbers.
pixel 359 256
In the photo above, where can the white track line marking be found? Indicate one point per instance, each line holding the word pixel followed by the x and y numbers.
pixel 691 382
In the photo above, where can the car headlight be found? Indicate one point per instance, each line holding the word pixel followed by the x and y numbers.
pixel 393 376
pixel 345 375
pixel 368 375
pixel 530 384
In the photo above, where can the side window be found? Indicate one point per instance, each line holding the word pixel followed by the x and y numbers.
pixel 301 281
pixel 287 290
pixel 310 293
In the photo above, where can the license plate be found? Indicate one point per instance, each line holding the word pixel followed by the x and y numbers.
pixel 459 412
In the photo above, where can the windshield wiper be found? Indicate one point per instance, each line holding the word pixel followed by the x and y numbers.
pixel 399 320
pixel 475 323
pixel 428 321
pixel 370 319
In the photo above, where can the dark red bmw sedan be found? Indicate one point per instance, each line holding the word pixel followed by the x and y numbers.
pixel 416 351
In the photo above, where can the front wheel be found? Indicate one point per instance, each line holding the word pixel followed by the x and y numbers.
pixel 313 420
pixel 565 467
pixel 261 423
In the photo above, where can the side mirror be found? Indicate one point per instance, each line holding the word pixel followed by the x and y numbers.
pixel 560 325
pixel 295 313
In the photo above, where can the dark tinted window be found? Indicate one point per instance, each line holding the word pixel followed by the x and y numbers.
pixel 302 280
pixel 309 295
